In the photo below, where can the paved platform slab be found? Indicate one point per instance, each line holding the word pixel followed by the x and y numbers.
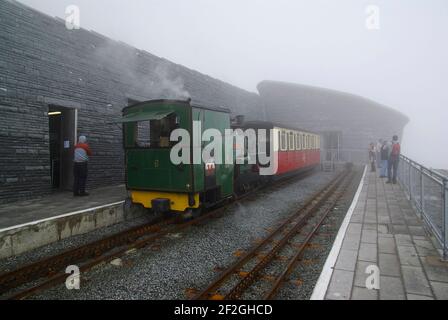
pixel 385 232
pixel 59 203
pixel 28 225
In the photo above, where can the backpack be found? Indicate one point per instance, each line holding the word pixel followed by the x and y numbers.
pixel 395 150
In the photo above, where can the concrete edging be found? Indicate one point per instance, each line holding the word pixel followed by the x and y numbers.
pixel 327 271
pixel 22 238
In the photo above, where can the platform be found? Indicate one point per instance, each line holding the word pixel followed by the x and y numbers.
pixel 382 229
pixel 27 225
pixel 22 212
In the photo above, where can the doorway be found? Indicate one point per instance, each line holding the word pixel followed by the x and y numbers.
pixel 331 145
pixel 62 132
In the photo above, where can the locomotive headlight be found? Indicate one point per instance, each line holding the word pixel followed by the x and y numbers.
pixel 188 186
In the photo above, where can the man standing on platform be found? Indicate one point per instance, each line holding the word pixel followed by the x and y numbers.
pixel 378 153
pixel 394 158
pixel 384 158
pixel 82 153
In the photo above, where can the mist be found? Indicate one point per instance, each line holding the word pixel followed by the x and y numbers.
pixel 320 43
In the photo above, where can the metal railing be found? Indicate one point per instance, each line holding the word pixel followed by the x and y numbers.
pixel 428 192
pixel 344 155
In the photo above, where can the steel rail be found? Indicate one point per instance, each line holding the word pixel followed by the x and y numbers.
pixel 314 201
pixel 254 274
pixel 293 261
pixel 94 253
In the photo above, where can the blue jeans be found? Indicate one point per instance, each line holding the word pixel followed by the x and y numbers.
pixel 383 171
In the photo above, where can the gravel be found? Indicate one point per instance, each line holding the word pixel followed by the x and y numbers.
pixel 188 261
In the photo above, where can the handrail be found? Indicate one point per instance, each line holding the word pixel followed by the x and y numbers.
pixel 428 192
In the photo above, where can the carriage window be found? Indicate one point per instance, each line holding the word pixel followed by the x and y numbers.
pixel 297 141
pixel 291 141
pixel 283 142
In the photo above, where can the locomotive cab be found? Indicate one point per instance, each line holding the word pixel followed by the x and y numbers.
pixel 152 179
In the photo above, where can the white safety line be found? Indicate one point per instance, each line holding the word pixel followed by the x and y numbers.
pixel 324 279
pixel 60 216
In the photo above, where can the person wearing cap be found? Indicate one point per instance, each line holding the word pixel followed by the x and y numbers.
pixel 82 153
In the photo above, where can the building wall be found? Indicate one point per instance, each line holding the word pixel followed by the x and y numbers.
pixel 359 120
pixel 43 63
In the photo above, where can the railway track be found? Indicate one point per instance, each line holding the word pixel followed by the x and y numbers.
pixel 251 268
pixel 48 272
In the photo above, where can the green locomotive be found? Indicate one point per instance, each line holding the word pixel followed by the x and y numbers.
pixel 151 177
pixel 158 183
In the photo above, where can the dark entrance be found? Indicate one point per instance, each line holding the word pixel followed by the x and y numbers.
pixel 62 130
pixel 331 145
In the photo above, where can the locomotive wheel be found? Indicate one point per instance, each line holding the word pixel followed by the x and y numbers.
pixel 191 214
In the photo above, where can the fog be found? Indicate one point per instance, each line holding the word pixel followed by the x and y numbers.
pixel 403 64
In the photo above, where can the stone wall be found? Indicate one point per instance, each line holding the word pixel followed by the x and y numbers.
pixel 43 63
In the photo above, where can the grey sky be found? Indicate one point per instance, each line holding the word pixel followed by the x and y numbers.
pixel 323 43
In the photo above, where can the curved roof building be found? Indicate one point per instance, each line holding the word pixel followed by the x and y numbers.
pixel 347 123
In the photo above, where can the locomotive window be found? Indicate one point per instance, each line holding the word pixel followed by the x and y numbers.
pixel 143 133
pixel 153 133
pixel 291 141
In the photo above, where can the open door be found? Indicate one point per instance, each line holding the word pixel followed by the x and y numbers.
pixel 62 131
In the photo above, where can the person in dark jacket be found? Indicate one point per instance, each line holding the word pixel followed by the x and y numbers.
pixel 82 154
pixel 384 159
pixel 372 157
pixel 394 158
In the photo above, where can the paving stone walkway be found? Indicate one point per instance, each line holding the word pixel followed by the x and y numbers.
pixel 385 231
pixel 59 203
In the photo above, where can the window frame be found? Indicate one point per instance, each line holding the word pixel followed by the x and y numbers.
pixel 290 140
pixel 283 140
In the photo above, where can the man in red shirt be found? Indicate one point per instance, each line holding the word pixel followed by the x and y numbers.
pixel 82 153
